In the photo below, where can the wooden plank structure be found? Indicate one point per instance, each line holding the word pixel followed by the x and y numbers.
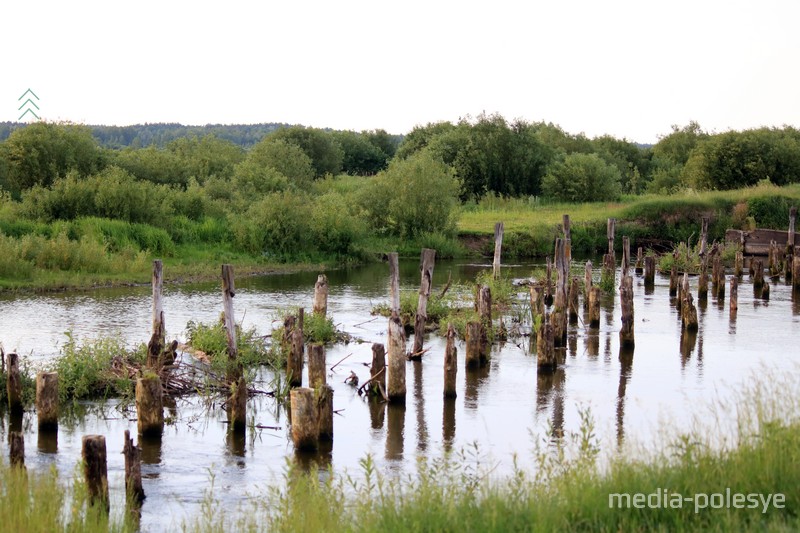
pixel 756 242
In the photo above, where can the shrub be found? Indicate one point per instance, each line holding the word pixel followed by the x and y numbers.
pixel 582 178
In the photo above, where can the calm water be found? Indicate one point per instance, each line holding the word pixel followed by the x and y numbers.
pixel 503 408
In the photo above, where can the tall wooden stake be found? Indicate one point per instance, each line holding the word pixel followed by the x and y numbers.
pixel 587 283
pixel 394 283
pixel 237 400
pixel 396 389
pixel 14 384
pixel 450 363
pixel 734 305
pixel 321 295
pixel 498 245
pixel 567 239
pixel 155 348
pixel 47 400
pixel 427 260
pixel 559 315
pixel 610 229
pixel 626 334
pixel 649 271
pixel 626 255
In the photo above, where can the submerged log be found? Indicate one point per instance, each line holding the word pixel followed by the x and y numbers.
pixel 427 260
pixel 321 295
pixel 450 363
pixel 396 389
pixel 47 400
pixel 133 472
pixel 95 469
pixel 498 245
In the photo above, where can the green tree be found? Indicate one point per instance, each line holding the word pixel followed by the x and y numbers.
pixel 582 178
pixel 282 156
pixel 412 197
pixel 360 156
pixel 420 136
pixel 206 156
pixel 153 164
pixel 632 160
pixel 41 152
pixel 319 145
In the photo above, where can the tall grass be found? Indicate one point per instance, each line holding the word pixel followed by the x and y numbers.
pixel 750 446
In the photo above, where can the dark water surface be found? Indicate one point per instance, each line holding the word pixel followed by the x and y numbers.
pixel 501 410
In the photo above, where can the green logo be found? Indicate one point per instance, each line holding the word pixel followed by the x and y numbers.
pixel 28 109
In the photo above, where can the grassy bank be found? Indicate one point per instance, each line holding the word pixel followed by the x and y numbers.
pixel 649 220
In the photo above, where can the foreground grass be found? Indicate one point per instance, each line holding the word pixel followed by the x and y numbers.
pixel 758 453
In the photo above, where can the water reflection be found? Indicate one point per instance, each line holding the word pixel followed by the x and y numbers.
pixel 236 442
pixel 550 390
pixel 151 447
pixel 395 430
pixel 592 340
pixel 475 377
pixel 449 423
pixel 315 461
pixel 377 412
pixel 687 346
pixel 625 369
pixel 47 441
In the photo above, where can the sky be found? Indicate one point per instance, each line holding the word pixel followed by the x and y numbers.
pixel 630 69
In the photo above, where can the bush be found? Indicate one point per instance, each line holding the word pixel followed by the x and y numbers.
pixel 582 178
pixel 412 197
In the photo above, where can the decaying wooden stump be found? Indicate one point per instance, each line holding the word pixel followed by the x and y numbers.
pixel 95 469
pixel 321 295
pixel 537 302
pixel 558 318
pixel 396 390
pixel 566 226
pixel 394 283
pixel 324 398
pixel 474 332
pixel 155 348
pixel 734 304
pixel 702 282
pixel 316 366
pixel 738 265
pixel 305 419
pixel 688 309
pixel 14 384
pixel 626 334
pixel 587 283
pixel 450 363
pixel 545 348
pixel 16 449
pixel 133 472
pixel 594 307
pixel 149 406
pixel 649 271
pixel 758 273
pixel 47 400
pixel 572 299
pixel 626 255
pixel 639 268
pixel 548 290
pixel 378 384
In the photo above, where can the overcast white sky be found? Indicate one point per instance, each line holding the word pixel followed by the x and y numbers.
pixel 626 68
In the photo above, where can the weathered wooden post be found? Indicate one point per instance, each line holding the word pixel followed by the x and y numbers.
pixel 791 233
pixel 574 289
pixel 610 228
pixel 639 261
pixel 626 255
pixel 587 283
pixel 719 282
pixel 305 423
pixel 95 469
pixel 394 283
pixel 450 363
pixel 237 401
pixel 702 282
pixel 594 307
pixel 378 384
pixel 47 400
pixel 133 472
pixel 688 311
pixel 703 236
pixel 545 348
pixel 738 264
pixel 558 318
pixel 16 449
pixel 498 245
pixel 321 295
pixel 155 348
pixel 567 239
pixel 474 332
pixel 485 306
pixel 149 405
pixel 758 273
pixel 537 302
pixel 396 390
pixel 427 260
pixel 673 277
pixel 324 398
pixel 734 304
pixel 765 291
pixel 297 350
pixel 796 269
pixel 626 334
pixel 649 270
pixel 548 293
pixel 316 366
pixel 14 384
